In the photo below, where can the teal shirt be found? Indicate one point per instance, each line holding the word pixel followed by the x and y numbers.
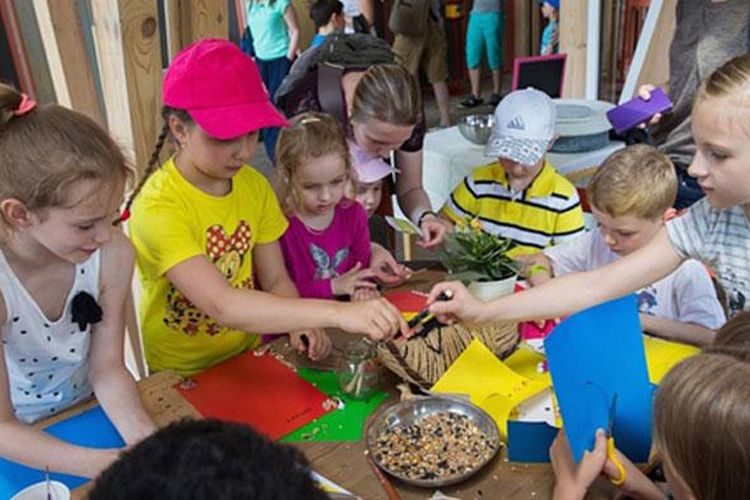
pixel 266 22
pixel 547 35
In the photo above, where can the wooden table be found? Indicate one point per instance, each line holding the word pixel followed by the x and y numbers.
pixel 344 463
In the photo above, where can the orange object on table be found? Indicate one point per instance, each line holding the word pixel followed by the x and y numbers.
pixel 257 390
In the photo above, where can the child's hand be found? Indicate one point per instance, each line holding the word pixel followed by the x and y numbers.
pixel 378 319
pixel 644 92
pixel 386 268
pixel 318 344
pixel 637 484
pixel 354 278
pixel 462 306
pixel 571 481
pixel 362 294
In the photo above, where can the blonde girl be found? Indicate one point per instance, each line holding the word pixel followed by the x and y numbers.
pixel 701 429
pixel 327 244
pixel 65 273
pixel 205 225
pixel 716 230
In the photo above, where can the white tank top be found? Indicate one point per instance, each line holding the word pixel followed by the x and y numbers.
pixel 47 361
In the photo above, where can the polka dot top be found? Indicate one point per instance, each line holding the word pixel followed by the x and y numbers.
pixel 47 360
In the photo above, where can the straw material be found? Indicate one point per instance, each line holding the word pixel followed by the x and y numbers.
pixel 423 361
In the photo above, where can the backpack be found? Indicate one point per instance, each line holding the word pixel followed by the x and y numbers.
pixel 330 59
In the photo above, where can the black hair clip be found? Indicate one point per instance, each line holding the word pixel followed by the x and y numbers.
pixel 85 310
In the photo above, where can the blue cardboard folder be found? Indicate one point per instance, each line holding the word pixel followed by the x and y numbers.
pixel 90 428
pixel 592 356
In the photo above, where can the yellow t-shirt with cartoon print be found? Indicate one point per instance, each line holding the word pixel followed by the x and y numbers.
pixel 173 221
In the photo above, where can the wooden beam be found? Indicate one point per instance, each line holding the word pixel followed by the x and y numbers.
pixel 172 18
pixel 203 19
pixel 521 27
pixel 573 32
pixel 52 52
pixel 17 48
pixel 655 71
pixel 77 68
pixel 127 39
pixel 32 39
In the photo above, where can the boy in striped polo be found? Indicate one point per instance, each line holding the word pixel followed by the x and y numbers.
pixel 520 196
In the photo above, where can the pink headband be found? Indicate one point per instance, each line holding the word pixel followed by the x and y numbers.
pixel 24 106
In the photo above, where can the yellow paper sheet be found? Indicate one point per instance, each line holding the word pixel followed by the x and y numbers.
pixel 662 355
pixel 490 384
pixel 525 361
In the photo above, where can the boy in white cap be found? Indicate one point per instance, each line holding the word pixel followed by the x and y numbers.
pixel 520 196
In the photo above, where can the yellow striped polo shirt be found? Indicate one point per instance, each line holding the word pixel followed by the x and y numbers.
pixel 547 212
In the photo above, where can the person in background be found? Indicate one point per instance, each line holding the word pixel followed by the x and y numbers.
pixel 707 34
pixel 551 33
pixel 520 196
pixel 360 16
pixel 328 18
pixel 428 51
pixel 275 34
pixel 200 459
pixel 485 30
pixel 631 196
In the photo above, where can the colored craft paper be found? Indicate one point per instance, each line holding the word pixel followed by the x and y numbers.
pixel 408 302
pixel 345 423
pixel 662 355
pixel 90 428
pixel 257 390
pixel 490 384
pixel 403 225
pixel 530 441
pixel 592 356
pixel 529 363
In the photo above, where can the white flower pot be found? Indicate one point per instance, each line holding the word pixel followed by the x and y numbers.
pixel 489 290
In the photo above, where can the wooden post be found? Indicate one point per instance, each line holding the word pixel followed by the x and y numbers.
pixel 573 32
pixel 52 52
pixel 521 27
pixel 17 48
pixel 76 66
pixel 127 40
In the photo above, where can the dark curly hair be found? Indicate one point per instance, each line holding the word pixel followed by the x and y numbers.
pixel 207 459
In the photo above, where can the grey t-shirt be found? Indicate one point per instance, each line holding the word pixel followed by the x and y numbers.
pixel 708 33
pixel 721 239
pixel 487 6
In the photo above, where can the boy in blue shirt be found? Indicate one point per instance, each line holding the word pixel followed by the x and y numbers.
pixel 328 17
pixel 550 35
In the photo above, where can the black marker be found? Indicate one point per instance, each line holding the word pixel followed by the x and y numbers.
pixel 425 313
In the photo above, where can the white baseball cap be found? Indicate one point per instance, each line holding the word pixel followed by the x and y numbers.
pixel 524 127
pixel 369 167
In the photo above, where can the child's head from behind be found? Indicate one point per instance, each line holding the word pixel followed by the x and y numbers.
pixel 722 137
pixel 62 177
pixel 327 14
pixel 523 131
pixel 733 338
pixel 367 174
pixel 630 194
pixel 313 162
pixel 701 427
pixel 207 459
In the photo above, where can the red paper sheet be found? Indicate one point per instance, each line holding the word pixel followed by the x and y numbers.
pixel 407 301
pixel 259 391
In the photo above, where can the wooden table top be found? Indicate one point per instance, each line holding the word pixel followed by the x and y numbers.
pixel 344 462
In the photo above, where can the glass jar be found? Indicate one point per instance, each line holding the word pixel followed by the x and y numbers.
pixel 359 375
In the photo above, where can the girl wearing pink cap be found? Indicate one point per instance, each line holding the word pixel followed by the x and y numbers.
pixel 327 245
pixel 206 227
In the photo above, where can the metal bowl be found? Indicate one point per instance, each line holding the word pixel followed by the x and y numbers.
pixel 476 128
pixel 410 411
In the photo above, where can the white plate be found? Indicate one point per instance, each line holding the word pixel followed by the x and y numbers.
pixel 38 491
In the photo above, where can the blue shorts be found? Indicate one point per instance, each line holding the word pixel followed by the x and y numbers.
pixel 485 30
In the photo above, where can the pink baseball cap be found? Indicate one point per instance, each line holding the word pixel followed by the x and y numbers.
pixel 220 87
pixel 369 167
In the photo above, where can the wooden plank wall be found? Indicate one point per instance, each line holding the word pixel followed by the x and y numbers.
pixel 573 21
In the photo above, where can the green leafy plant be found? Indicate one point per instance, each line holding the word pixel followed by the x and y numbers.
pixel 471 254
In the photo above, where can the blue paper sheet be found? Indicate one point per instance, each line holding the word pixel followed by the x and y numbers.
pixel 91 428
pixel 592 355
pixel 530 441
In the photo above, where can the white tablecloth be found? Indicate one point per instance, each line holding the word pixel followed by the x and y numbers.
pixel 448 158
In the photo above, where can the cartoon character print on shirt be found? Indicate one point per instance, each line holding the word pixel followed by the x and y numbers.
pixel 227 253
pixel 324 269
pixel 647 301
pixel 734 290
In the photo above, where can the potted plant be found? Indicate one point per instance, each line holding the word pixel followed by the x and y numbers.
pixel 479 259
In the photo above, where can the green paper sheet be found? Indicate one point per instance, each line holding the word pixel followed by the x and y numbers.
pixel 345 424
